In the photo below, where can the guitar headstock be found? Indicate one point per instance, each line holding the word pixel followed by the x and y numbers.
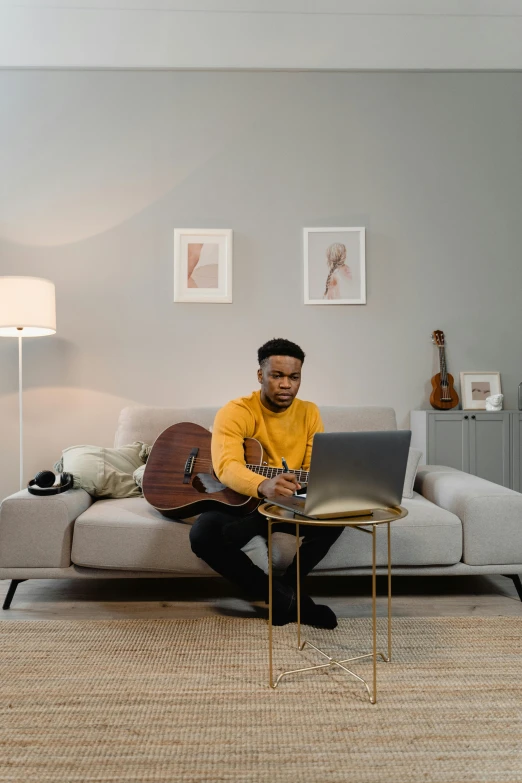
pixel 438 338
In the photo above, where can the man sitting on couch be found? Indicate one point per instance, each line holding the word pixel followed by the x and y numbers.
pixel 285 427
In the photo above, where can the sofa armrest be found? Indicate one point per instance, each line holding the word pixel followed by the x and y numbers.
pixel 491 515
pixel 36 532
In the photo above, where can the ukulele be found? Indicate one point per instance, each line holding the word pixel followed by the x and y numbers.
pixel 179 480
pixel 443 397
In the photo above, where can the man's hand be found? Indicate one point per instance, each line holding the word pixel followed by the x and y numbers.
pixel 284 484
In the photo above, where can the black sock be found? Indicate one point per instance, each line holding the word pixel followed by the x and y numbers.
pixel 284 608
pixel 318 615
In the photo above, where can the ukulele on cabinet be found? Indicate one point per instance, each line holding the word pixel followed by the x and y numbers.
pixel 443 397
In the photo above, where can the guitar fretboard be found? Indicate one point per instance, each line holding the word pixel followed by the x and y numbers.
pixel 446 396
pixel 264 470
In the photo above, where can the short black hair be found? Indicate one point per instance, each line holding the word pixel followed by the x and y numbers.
pixel 279 347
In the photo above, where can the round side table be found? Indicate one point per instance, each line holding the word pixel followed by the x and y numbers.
pixel 367 524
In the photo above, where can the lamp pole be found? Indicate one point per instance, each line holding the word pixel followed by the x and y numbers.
pixel 27 309
pixel 20 409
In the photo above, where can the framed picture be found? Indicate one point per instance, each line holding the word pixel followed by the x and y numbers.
pixel 203 265
pixel 334 266
pixel 476 386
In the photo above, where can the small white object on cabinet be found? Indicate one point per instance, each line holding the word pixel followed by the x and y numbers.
pixel 494 403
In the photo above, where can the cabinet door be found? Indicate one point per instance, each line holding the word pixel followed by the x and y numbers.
pixel 448 435
pixel 489 447
pixel 516 439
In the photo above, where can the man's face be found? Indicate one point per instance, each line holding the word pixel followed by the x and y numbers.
pixel 280 379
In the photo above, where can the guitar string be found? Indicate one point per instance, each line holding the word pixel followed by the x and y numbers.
pixel 270 471
pixel 441 367
pixel 206 461
pixel 446 397
pixel 441 361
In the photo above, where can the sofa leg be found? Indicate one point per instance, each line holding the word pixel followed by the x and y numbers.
pixel 518 583
pixel 10 593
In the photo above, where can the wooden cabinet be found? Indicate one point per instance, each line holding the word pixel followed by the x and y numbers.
pixel 485 444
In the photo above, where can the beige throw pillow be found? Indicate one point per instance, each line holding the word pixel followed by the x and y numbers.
pixel 411 471
pixel 104 472
pixel 138 476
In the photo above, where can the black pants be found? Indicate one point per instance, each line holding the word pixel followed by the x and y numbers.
pixel 217 538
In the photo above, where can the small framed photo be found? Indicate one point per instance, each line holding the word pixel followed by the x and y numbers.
pixel 476 386
pixel 334 266
pixel 203 265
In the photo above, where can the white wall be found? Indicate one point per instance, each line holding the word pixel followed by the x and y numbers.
pixel 102 166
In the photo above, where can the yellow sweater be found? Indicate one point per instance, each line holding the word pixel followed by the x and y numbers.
pixel 287 434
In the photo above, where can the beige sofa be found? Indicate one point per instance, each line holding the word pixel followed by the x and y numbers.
pixel 457 523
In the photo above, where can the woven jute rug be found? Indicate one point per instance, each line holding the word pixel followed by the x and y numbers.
pixel 188 700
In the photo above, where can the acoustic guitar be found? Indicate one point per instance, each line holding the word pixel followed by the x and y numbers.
pixel 443 397
pixel 179 480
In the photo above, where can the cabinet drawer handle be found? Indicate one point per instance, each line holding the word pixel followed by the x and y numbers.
pixel 473 417
pixel 466 417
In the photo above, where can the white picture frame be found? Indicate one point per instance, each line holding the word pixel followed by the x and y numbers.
pixel 323 253
pixel 203 265
pixel 476 386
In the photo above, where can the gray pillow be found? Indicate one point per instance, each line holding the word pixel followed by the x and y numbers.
pixel 411 471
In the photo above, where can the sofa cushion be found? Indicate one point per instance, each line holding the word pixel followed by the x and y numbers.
pixel 150 422
pixel 145 423
pixel 429 535
pixel 130 534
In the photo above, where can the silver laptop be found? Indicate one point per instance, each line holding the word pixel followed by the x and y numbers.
pixel 352 473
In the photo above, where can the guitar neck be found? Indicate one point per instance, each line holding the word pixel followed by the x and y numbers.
pixel 443 369
pixel 264 470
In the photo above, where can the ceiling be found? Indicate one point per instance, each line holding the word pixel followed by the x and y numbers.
pixel 262 34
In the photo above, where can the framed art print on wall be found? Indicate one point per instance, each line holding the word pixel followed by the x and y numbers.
pixel 334 265
pixel 203 265
pixel 476 386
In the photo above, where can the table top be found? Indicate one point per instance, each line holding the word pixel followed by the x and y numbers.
pixel 379 516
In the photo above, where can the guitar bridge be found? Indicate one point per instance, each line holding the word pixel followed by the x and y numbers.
pixel 189 466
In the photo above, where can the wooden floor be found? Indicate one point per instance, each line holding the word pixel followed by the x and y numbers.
pixel 44 599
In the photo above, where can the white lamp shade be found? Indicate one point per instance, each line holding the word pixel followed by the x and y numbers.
pixel 29 303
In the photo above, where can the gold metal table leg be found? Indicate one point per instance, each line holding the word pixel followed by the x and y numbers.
pixel 298 569
pixel 389 596
pixel 271 681
pixel 301 645
pixel 373 697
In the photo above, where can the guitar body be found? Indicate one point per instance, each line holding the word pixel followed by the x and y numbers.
pixel 442 397
pixel 179 480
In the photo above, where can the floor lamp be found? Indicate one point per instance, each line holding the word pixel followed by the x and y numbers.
pixel 27 309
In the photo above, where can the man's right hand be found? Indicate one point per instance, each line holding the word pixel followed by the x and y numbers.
pixel 284 484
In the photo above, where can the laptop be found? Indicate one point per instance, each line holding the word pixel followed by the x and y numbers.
pixel 351 474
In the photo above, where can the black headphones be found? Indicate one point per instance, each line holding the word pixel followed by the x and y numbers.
pixel 43 483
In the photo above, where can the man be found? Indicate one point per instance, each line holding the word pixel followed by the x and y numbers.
pixel 285 427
